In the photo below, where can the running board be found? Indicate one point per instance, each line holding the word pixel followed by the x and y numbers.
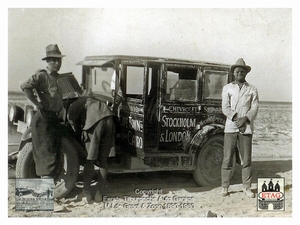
pixel 154 162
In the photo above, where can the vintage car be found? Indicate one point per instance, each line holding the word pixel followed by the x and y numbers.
pixel 23 191
pixel 168 117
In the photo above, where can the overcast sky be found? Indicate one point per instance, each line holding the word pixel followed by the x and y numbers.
pixel 263 37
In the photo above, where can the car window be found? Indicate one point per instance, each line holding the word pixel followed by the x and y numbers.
pixel 182 84
pixel 134 82
pixel 214 81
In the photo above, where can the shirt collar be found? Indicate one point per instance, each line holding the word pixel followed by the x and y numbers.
pixel 234 82
pixel 51 72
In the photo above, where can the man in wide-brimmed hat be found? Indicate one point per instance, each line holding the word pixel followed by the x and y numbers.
pixel 45 129
pixel 240 106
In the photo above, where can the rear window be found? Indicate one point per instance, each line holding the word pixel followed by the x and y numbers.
pixel 214 81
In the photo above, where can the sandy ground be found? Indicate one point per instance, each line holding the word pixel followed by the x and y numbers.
pixel 180 196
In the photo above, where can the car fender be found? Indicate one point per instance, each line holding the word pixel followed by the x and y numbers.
pixel 201 136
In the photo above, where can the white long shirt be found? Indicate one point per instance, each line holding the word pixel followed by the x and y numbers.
pixel 241 102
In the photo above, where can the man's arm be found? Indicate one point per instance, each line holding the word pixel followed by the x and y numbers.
pixel 29 85
pixel 226 106
pixel 252 113
pixel 31 97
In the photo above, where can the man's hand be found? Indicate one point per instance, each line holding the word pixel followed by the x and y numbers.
pixel 241 121
pixel 40 105
pixel 30 95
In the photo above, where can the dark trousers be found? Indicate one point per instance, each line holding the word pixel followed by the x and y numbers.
pixel 46 142
pixel 244 143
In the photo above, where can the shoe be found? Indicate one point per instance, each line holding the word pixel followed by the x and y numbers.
pixel 98 196
pixel 57 207
pixel 84 196
pixel 224 192
pixel 248 192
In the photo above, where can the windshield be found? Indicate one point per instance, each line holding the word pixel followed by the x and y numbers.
pixel 99 80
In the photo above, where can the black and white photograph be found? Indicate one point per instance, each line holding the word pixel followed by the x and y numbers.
pixel 135 112
pixel 34 194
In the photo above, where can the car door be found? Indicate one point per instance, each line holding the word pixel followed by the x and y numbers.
pixel 132 109
pixel 180 105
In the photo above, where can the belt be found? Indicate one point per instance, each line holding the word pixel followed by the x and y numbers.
pixel 49 113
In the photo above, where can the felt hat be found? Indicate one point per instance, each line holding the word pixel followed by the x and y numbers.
pixel 52 51
pixel 240 63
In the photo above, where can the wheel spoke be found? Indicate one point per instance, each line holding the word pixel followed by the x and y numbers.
pixel 209 162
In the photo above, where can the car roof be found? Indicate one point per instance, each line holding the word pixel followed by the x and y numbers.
pixel 100 60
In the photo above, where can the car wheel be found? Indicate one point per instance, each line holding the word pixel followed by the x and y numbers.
pixel 209 162
pixel 68 167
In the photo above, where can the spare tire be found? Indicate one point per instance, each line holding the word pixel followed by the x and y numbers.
pixel 68 167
